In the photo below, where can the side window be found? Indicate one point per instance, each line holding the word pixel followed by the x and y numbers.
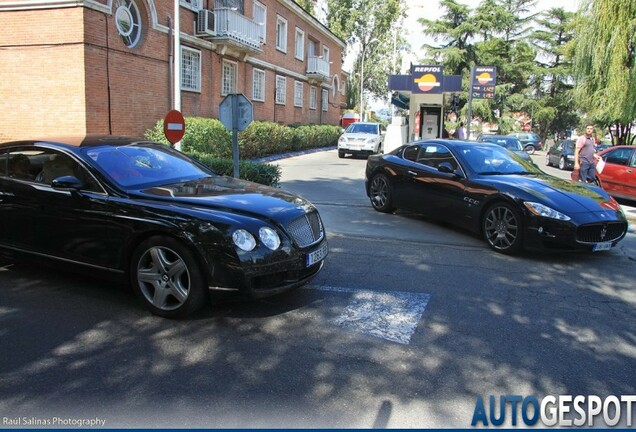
pixel 633 164
pixel 410 153
pixel 3 164
pixel 619 157
pixel 43 165
pixel 22 164
pixel 435 154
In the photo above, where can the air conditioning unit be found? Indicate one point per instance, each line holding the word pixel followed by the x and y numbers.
pixel 205 23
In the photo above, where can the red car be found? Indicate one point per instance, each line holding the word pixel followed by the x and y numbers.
pixel 618 176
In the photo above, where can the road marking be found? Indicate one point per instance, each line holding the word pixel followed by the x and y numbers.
pixel 390 315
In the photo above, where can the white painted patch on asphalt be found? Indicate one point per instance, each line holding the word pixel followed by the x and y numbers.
pixel 390 315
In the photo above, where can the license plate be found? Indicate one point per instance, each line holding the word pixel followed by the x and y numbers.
pixel 602 246
pixel 317 255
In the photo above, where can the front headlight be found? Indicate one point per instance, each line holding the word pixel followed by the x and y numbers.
pixel 545 211
pixel 342 139
pixel 269 237
pixel 244 240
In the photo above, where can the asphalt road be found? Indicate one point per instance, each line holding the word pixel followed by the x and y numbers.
pixel 409 322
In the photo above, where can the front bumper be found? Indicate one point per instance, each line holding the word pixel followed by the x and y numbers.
pixel 358 148
pixel 257 280
pixel 544 233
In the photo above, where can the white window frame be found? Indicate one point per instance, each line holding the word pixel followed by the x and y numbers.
pixel 281 34
pixel 228 87
pixel 256 7
pixel 325 100
pixel 299 89
pixel 325 53
pixel 281 90
pixel 299 51
pixel 195 73
pixel 194 5
pixel 313 95
pixel 258 85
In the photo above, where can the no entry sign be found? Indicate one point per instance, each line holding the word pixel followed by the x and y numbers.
pixel 174 126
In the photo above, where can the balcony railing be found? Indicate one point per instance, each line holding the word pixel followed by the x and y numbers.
pixel 230 24
pixel 318 67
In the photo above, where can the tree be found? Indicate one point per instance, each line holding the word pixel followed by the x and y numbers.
pixel 552 81
pixel 605 65
pixel 454 31
pixel 371 27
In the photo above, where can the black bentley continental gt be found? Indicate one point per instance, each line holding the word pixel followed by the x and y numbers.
pixel 493 192
pixel 150 214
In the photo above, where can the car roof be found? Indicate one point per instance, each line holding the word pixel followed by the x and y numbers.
pixel 87 140
pixel 616 147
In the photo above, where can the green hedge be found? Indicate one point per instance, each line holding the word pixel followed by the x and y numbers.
pixel 260 139
pixel 257 172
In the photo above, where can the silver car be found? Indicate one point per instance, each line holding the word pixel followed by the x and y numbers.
pixel 361 138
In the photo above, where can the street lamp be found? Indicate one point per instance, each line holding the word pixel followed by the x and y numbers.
pixel 364 51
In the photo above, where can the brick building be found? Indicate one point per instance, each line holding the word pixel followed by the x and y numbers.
pixel 105 66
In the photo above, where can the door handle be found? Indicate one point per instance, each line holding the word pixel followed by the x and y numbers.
pixel 630 171
pixel 412 173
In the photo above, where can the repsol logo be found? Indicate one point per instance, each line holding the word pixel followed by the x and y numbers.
pixel 422 69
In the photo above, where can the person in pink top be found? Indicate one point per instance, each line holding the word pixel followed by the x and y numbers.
pixel 585 155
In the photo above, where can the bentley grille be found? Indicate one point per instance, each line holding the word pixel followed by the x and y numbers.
pixel 601 232
pixel 306 230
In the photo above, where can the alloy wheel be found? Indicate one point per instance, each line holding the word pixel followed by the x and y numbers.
pixel 163 278
pixel 502 229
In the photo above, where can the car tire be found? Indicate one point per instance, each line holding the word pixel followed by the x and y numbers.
pixel 341 154
pixel 562 163
pixel 502 228
pixel 529 149
pixel 547 160
pixel 381 193
pixel 167 278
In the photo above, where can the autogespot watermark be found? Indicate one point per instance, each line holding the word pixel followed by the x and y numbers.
pixel 53 422
pixel 559 411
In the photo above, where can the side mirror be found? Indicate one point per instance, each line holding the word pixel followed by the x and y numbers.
pixel 446 167
pixel 70 183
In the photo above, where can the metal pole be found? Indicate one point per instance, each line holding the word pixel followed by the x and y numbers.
pixel 470 101
pixel 177 63
pixel 362 87
pixel 235 147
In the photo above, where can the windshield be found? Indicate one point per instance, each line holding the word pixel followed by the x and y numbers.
pixel 145 164
pixel 494 160
pixel 362 128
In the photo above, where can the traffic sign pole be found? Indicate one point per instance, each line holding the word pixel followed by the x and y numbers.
pixel 470 102
pixel 235 127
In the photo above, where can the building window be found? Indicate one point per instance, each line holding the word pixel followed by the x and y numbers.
pixel 260 17
pixel 325 54
pixel 281 34
pixel 237 5
pixel 128 21
pixel 228 79
pixel 195 5
pixel 298 94
pixel 281 90
pixel 312 97
pixel 258 85
pixel 325 99
pixel 299 52
pixel 190 69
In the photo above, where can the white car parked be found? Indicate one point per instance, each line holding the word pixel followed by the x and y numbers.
pixel 361 138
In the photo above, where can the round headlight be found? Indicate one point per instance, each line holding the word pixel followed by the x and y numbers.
pixel 269 237
pixel 244 240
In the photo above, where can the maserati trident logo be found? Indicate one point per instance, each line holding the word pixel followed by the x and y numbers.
pixel 603 232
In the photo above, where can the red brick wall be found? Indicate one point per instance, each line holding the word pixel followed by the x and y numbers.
pixel 41 65
pixel 80 77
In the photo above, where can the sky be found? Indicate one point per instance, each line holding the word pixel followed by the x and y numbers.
pixel 431 10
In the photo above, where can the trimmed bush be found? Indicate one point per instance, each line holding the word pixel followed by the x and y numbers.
pixel 257 172
pixel 202 135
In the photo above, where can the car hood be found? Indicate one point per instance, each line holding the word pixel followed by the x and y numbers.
pixel 230 194
pixel 560 194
